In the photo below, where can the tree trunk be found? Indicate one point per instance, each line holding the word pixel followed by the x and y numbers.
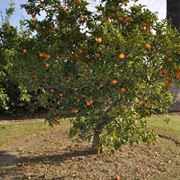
pixel 173 12
pixel 96 140
pixel 104 120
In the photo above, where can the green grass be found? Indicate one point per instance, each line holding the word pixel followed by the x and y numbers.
pixel 9 131
pixel 166 124
pixel 14 130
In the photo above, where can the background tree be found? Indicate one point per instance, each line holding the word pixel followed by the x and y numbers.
pixel 11 91
pixel 8 39
pixel 109 69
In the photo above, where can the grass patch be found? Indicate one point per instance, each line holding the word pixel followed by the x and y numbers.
pixel 166 124
pixel 13 130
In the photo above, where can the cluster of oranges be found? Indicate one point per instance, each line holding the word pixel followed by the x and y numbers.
pixel 89 103
pixel 165 73
pixel 123 19
pixel 115 82
pixel 98 54
pixel 178 74
pixel 170 84
pixel 78 2
pixel 44 55
pixel 121 56
pixel 61 95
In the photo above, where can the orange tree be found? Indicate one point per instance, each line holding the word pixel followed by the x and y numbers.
pixel 108 69
pixel 10 89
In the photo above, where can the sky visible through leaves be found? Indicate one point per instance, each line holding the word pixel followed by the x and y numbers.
pixel 154 5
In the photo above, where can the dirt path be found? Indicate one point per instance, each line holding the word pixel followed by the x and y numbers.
pixel 52 155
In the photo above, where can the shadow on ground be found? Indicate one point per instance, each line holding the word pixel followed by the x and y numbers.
pixel 56 158
pixel 7 161
pixel 10 164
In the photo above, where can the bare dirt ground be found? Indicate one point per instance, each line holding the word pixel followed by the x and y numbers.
pixel 52 155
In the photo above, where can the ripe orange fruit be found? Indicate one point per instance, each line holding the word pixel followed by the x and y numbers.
pixel 147 46
pixel 170 84
pixel 44 56
pixel 121 56
pixel 41 55
pixel 46 65
pixel 98 40
pixel 114 82
pixel 47 56
pixel 117 178
pixel 122 90
pixel 76 55
pixel 178 74
pixel 78 2
pixel 25 51
pixel 89 103
pixel 61 95
pixel 126 20
pixel 170 59
pixel 98 55
pixel 74 110
pixel 164 72
pixel 145 26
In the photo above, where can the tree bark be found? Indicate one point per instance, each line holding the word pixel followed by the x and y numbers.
pixel 96 140
pixel 173 12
